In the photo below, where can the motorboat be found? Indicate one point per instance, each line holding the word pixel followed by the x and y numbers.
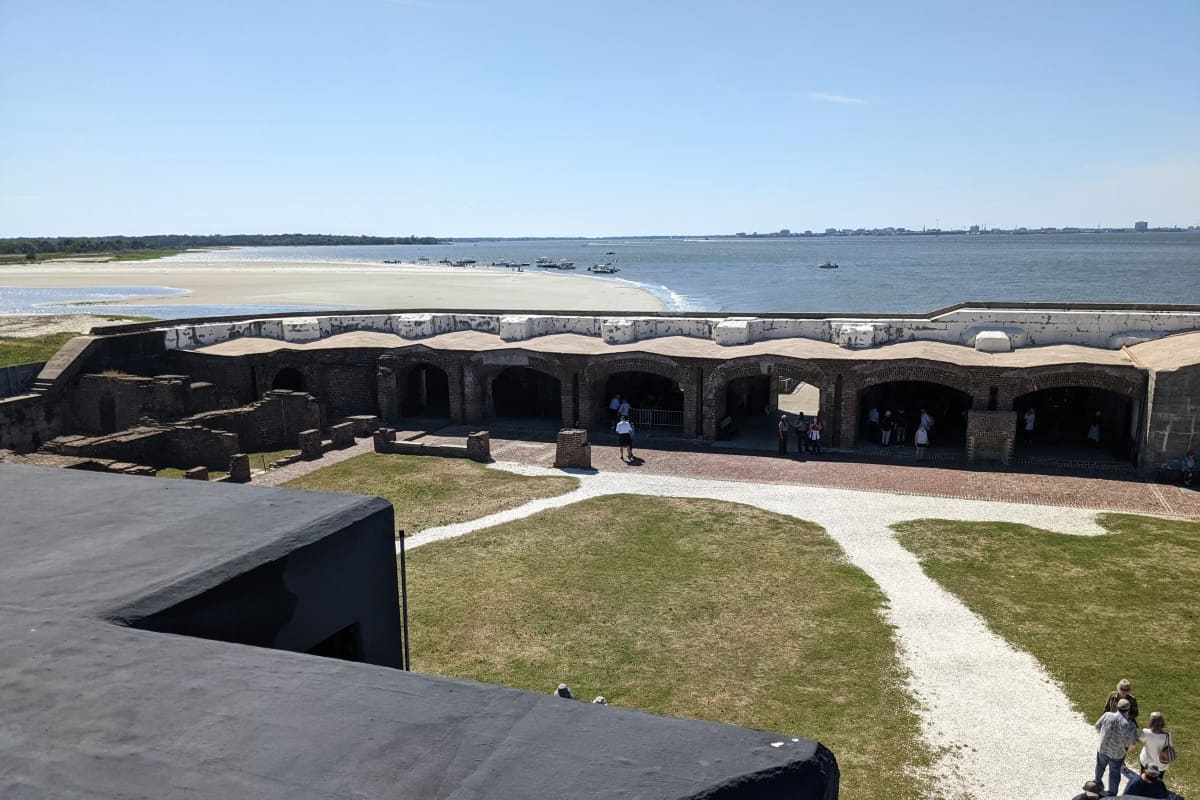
pixel 564 264
pixel 610 252
pixel 604 269
pixel 548 263
pixel 827 265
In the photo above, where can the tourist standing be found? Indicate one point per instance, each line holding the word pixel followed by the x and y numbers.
pixel 873 423
pixel 625 437
pixel 782 428
pixel 1093 433
pixel 1030 420
pixel 927 421
pixel 1154 742
pixel 625 410
pixel 1187 468
pixel 1122 692
pixel 921 440
pixel 614 406
pixel 814 434
pixel 1117 736
pixel 886 426
pixel 901 427
pixel 801 428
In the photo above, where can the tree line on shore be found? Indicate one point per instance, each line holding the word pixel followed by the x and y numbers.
pixel 31 246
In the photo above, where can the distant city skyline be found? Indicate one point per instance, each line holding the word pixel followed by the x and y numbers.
pixel 461 118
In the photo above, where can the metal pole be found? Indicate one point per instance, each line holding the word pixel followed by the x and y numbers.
pixel 406 663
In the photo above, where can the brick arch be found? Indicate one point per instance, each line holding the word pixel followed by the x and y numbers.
pixel 713 401
pixel 391 374
pixel 483 374
pixel 269 371
pixel 598 370
pixel 927 372
pixel 1088 376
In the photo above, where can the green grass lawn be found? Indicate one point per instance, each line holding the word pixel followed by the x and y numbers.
pixel 31 349
pixel 691 608
pixel 1092 610
pixel 427 492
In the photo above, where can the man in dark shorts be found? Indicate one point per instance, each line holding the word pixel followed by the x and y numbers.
pixel 625 438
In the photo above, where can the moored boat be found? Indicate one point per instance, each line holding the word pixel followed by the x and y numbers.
pixel 827 265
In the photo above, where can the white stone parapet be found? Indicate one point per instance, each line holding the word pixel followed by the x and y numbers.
pixel 991 330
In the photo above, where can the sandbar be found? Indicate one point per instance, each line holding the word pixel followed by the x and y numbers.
pixel 341 285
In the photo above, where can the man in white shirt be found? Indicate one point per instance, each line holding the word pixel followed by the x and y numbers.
pixel 625 437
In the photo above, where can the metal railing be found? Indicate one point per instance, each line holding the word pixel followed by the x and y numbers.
pixel 657 418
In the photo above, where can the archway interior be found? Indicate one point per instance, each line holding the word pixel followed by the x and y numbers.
pixel 748 398
pixel 906 399
pixel 426 392
pixel 290 379
pixel 656 400
pixel 526 393
pixel 1064 416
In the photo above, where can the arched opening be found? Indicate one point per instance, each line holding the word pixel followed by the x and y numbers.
pixel 656 401
pixel 1076 423
pixel 894 409
pixel 426 392
pixel 289 378
pixel 527 394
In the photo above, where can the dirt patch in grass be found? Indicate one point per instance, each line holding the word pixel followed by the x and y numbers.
pixel 1093 610
pixel 428 492
pixel 692 608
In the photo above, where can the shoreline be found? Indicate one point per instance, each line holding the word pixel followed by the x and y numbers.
pixel 336 285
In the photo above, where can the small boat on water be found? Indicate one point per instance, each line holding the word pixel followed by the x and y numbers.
pixel 392 261
pixel 827 265
pixel 604 269
pixel 548 263
pixel 564 264
pixel 610 252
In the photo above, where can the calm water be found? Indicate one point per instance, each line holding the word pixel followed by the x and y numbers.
pixel 885 274
pixel 876 274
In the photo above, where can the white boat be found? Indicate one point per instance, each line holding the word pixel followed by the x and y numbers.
pixel 564 264
pixel 548 263
pixel 604 269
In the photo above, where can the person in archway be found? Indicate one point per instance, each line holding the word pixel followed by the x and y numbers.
pixel 886 426
pixel 625 438
pixel 625 410
pixel 927 422
pixel 901 427
pixel 1093 433
pixel 873 423
pixel 614 406
pixel 921 440
pixel 801 428
pixel 814 435
pixel 783 429
pixel 1187 468
pixel 1030 421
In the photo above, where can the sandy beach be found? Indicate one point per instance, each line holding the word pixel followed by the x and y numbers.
pixel 333 285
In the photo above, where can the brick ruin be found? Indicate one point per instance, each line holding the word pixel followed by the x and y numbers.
pixel 195 393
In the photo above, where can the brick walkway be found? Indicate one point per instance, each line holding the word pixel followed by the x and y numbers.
pixel 1102 491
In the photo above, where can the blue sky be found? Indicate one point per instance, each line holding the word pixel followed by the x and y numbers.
pixel 460 118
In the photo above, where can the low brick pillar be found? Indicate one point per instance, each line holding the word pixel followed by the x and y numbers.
pixel 196 474
pixel 573 449
pixel 239 468
pixel 364 424
pixel 479 446
pixel 991 436
pixel 310 444
pixel 342 435
pixel 383 439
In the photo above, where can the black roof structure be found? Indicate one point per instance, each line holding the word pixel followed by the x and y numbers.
pixel 159 640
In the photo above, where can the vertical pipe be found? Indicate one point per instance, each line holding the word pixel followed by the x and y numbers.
pixel 406 663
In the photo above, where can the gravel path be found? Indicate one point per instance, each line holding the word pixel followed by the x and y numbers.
pixel 985 707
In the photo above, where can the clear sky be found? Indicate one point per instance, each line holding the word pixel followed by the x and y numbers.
pixel 472 118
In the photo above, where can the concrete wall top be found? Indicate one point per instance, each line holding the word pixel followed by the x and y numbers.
pixel 1033 325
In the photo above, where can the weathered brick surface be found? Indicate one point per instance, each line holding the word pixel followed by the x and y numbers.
pixel 310 444
pixel 572 449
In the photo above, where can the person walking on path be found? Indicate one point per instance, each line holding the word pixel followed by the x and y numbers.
pixel 783 429
pixel 1118 735
pixel 814 435
pixel 921 440
pixel 1030 421
pixel 1154 740
pixel 1123 693
pixel 625 438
